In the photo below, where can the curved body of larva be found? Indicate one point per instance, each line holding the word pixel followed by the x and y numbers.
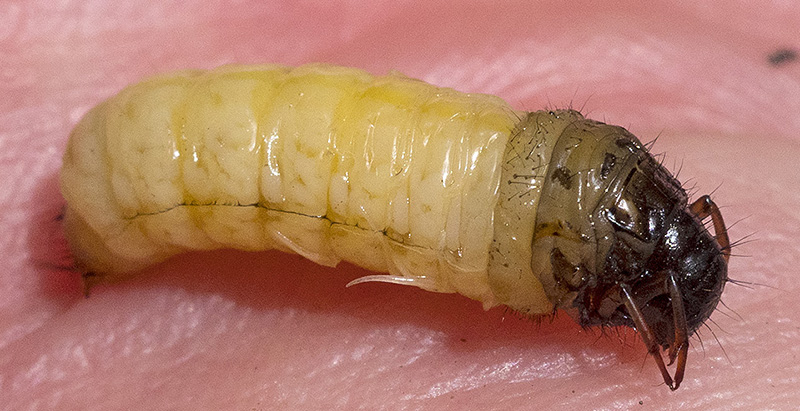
pixel 446 191
pixel 331 163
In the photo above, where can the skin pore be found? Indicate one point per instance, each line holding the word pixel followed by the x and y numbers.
pixel 259 331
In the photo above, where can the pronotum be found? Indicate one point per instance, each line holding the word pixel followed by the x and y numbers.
pixel 438 189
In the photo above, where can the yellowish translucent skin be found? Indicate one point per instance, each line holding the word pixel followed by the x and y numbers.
pixel 331 163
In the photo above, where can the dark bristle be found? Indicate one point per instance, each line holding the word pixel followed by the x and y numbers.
pixel 739 317
pixel 718 342
pixel 744 240
pixel 700 340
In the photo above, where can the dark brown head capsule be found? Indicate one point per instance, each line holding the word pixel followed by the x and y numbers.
pixel 616 242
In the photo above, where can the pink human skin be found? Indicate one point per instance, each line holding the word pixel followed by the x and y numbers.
pixel 233 330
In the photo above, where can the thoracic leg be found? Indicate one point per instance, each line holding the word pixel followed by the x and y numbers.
pixel 705 207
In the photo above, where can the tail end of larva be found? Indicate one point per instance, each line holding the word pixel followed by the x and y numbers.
pixel 92 257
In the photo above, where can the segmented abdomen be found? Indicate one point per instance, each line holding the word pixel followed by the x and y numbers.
pixel 332 163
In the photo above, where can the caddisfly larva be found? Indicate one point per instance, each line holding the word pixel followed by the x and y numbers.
pixel 438 189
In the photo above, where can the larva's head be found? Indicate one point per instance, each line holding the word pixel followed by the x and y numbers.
pixel 664 272
pixel 689 255
pixel 617 244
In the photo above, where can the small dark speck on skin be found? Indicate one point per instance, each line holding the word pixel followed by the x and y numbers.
pixel 641 402
pixel 782 56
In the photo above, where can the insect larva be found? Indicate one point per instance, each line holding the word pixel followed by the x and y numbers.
pixel 442 190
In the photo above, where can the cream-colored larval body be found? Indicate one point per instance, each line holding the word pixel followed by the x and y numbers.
pixel 332 163
pixel 434 188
